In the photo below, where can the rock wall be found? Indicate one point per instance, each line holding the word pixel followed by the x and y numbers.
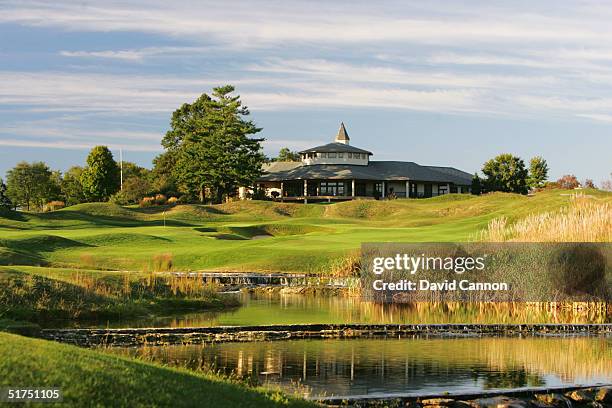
pixel 198 335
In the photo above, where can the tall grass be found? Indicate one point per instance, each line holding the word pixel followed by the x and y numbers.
pixel 346 266
pixel 84 295
pixel 584 220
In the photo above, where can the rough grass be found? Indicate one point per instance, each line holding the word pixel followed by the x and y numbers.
pixel 584 220
pixel 35 294
pixel 300 238
pixel 94 378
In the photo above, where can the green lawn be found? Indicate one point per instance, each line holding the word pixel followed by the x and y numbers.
pixel 298 237
pixel 94 378
pixel 91 260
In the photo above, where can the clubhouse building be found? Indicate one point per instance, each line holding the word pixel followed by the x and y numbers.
pixel 339 171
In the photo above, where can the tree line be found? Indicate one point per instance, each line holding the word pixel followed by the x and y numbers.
pixel 209 152
pixel 508 173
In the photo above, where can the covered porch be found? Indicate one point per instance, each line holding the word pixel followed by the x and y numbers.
pixel 339 189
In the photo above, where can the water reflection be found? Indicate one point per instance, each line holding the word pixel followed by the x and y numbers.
pixel 414 365
pixel 286 309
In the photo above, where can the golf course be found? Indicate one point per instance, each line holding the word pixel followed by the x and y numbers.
pixel 253 236
pixel 105 262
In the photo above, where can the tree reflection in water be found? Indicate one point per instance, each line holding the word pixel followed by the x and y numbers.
pixel 412 365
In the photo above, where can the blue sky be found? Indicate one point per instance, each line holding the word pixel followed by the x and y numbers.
pixel 438 83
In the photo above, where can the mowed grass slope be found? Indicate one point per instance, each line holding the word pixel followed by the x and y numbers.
pixel 94 378
pixel 251 235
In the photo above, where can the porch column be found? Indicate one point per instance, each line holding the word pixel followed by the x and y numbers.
pixel 305 191
pixel 353 188
pixel 383 190
pixel 282 192
pixel 407 188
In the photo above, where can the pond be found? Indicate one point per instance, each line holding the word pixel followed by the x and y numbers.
pixel 415 365
pixel 267 309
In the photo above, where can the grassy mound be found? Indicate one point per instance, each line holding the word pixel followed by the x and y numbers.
pixel 10 256
pixel 100 210
pixel 94 378
pixel 300 237
pixel 122 238
pixel 269 209
pixel 270 230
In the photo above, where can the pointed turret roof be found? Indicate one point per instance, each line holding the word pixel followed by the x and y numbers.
pixel 342 134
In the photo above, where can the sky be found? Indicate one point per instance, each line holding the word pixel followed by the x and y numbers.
pixel 449 83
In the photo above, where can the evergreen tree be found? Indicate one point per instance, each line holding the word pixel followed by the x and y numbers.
pixel 210 141
pixel 5 202
pixel 100 179
pixel 476 185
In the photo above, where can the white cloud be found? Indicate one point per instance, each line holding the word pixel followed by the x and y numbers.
pixel 435 57
pixel 71 145
pixel 139 54
pixel 271 22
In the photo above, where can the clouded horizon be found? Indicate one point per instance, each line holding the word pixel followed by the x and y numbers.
pixel 438 83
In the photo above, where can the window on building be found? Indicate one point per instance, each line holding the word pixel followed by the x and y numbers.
pixel 323 155
pixel 331 155
pixel 350 155
pixel 340 155
pixel 331 188
pixel 442 189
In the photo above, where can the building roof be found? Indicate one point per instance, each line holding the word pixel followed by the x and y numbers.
pixel 335 147
pixel 452 171
pixel 342 133
pixel 375 170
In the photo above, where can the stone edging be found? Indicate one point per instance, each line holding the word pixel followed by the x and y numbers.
pixel 198 335
pixel 565 397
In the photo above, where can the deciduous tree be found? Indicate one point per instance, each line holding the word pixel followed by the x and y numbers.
pixel 588 183
pixel 72 189
pixel 30 185
pixel 568 181
pixel 538 172
pixel 100 179
pixel 505 173
pixel 285 154
pixel 162 176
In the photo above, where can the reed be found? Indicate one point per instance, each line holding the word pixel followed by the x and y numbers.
pixel 584 220
pixel 346 266
pixel 86 295
pixel 162 263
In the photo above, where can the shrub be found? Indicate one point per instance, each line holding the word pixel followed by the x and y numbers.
pixel 588 183
pixel 160 199
pixel 568 181
pixel 578 269
pixel 147 201
pixel 162 263
pixel 53 205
